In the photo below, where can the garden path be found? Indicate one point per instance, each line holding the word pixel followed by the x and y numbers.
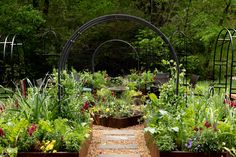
pixel 125 142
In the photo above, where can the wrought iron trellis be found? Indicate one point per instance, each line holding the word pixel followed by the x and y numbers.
pixel 109 41
pixel 224 62
pixel 104 19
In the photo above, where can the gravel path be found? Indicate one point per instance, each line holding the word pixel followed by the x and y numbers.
pixel 134 137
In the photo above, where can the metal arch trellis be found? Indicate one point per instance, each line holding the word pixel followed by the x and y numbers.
pixel 183 39
pixel 9 44
pixel 113 40
pixel 12 54
pixel 107 18
pixel 224 61
pixel 45 34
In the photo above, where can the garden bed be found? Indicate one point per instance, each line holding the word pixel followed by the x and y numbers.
pixel 82 153
pixel 117 122
pixel 150 142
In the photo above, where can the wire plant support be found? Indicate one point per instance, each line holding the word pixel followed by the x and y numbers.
pixel 224 65
pixel 107 18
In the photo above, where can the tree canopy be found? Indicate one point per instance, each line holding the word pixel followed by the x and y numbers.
pixel 198 20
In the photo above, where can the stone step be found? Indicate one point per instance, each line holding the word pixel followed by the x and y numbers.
pixel 119 155
pixel 117 138
pixel 118 146
pixel 120 132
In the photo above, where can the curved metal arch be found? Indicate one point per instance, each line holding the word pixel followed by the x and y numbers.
pixel 184 37
pixel 113 40
pixel 10 39
pixel 107 18
pixel 12 45
pixel 4 47
pixel 224 38
pixel 50 32
pixel 54 34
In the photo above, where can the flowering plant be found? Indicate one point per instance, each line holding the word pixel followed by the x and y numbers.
pixel 110 103
pixel 36 123
pixel 45 136
pixel 200 124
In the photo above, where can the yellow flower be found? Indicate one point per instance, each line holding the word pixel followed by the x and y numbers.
pixel 54 151
pixel 50 146
pixel 46 143
pixel 42 148
pixel 107 109
pixel 53 141
pixel 144 117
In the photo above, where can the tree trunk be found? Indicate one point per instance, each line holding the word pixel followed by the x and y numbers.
pixel 46 6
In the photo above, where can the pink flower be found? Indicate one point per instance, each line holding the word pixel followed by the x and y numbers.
pixel 1 132
pixel 32 129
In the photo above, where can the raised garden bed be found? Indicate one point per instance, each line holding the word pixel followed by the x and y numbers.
pixel 156 153
pixel 117 122
pixel 82 153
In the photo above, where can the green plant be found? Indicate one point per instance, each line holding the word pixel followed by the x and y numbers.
pixel 32 123
pixel 74 103
pixel 111 103
pixel 46 136
pixel 197 124
pixel 150 43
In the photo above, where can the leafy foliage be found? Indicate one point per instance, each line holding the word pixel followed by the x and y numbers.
pixel 17 19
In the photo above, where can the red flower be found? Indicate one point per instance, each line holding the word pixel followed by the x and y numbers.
pixel 86 105
pixel 207 124
pixel 32 129
pixel 1 132
pixel 230 103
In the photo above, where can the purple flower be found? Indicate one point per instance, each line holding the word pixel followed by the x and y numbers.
pixel 189 144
